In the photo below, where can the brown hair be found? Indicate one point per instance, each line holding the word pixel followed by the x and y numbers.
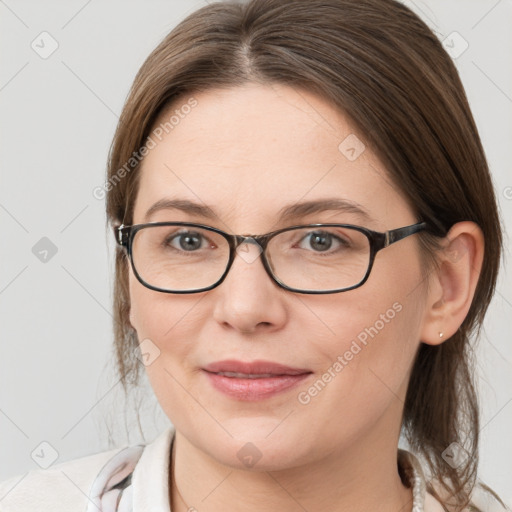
pixel 382 66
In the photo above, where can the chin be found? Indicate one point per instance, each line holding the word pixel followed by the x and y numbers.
pixel 258 456
pixel 258 444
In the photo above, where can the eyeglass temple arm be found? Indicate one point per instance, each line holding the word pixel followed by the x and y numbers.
pixel 399 234
pixel 121 234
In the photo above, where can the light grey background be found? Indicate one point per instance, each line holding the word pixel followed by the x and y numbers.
pixel 58 116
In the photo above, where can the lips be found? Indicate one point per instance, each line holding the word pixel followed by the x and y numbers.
pixel 258 368
pixel 254 380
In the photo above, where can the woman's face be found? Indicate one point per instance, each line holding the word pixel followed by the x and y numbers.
pixel 248 153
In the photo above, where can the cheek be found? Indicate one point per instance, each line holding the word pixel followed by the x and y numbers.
pixel 378 335
pixel 157 315
pixel 367 352
pixel 169 326
pixel 166 328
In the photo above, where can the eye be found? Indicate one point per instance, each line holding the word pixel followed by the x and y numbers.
pixel 188 241
pixel 322 241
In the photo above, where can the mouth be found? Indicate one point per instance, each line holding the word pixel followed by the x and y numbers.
pixel 247 375
pixel 252 381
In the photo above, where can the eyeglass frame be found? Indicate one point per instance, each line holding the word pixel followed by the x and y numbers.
pixel 377 240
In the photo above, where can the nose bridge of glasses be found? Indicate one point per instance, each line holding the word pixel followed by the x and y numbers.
pixel 248 248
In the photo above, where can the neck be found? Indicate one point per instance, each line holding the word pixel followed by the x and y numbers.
pixel 355 480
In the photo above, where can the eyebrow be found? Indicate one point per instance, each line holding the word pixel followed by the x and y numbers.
pixel 289 212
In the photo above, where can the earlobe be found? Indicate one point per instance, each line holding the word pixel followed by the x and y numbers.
pixel 453 283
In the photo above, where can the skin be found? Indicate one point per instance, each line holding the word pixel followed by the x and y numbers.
pixel 247 152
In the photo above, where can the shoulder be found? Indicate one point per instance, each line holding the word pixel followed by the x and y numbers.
pixel 485 500
pixel 481 499
pixel 72 485
pixel 63 486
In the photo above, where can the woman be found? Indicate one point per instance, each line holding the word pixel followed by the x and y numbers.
pixel 307 237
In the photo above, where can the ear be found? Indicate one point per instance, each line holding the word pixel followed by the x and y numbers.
pixel 452 285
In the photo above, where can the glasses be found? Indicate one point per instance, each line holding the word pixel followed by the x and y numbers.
pixel 180 257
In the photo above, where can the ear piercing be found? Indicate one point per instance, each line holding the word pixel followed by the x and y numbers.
pixel 441 334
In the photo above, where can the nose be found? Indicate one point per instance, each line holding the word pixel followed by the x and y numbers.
pixel 248 299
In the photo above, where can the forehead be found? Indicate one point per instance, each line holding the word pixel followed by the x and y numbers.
pixel 250 121
pixel 249 151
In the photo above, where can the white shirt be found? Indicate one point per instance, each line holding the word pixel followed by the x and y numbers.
pixel 135 479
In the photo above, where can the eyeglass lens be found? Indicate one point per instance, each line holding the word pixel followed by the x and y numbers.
pixel 187 258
